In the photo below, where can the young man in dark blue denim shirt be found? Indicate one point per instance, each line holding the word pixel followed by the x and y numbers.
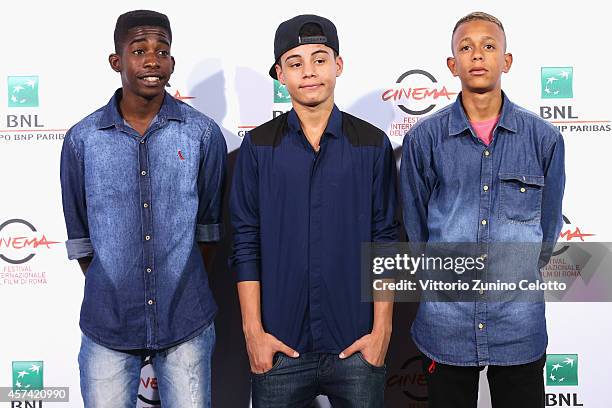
pixel 142 184
pixel 483 171
pixel 309 187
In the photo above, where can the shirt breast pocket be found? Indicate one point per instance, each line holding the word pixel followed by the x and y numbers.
pixel 520 198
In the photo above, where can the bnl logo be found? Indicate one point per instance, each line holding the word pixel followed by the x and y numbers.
pixel 562 371
pixel 557 82
pixel 23 91
pixel 27 375
pixel 26 404
pixel 281 94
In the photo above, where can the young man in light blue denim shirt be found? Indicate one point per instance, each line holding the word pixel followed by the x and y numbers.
pixel 142 181
pixel 483 171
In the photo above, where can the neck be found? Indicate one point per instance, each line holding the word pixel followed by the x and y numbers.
pixel 479 107
pixel 136 109
pixel 313 120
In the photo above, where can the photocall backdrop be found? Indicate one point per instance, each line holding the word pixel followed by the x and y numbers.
pixel 55 71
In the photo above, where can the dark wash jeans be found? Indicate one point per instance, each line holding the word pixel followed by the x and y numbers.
pixel 295 383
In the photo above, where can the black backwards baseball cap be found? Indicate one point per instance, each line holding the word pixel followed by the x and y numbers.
pixel 288 36
pixel 138 18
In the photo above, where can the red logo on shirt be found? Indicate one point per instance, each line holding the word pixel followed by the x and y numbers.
pixel 180 155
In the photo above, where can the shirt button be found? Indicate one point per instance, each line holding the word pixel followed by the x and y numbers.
pixel 150 302
pixel 487 153
pixel 146 205
pixel 483 222
pixel 142 141
pixel 149 270
pixel 523 189
pixel 480 325
pixel 485 187
pixel 143 173
pixel 147 237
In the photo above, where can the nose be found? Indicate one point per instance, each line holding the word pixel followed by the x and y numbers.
pixel 309 70
pixel 477 56
pixel 151 60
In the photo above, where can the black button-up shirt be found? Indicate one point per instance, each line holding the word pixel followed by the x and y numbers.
pixel 300 217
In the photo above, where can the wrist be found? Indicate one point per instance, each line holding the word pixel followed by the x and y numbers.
pixel 383 330
pixel 252 330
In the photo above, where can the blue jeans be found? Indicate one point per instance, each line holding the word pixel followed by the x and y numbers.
pixel 110 378
pixel 295 383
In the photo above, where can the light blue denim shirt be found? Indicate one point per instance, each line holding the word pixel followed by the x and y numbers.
pixel 139 206
pixel 456 189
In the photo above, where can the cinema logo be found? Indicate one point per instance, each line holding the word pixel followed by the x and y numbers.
pixel 557 83
pixel 570 233
pixel 23 122
pixel 569 259
pixel 563 263
pixel 410 381
pixel 178 96
pixel 20 242
pixel 416 93
pixel 148 394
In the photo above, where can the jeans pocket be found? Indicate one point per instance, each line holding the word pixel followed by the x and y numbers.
pixel 520 198
pixel 276 362
pixel 381 369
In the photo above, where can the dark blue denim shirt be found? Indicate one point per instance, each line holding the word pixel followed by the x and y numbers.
pixel 299 219
pixel 139 206
pixel 456 189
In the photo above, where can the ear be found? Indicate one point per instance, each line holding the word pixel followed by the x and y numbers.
pixel 173 64
pixel 339 65
pixel 451 64
pixel 507 62
pixel 279 74
pixel 115 62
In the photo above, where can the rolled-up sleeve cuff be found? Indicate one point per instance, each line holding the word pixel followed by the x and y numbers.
pixel 208 232
pixel 79 248
pixel 247 271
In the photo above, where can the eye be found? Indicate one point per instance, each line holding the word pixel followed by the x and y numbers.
pixel 164 53
pixel 138 52
pixel 295 65
pixel 320 61
pixel 489 47
pixel 465 48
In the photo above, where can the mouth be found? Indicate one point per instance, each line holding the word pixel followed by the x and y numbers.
pixel 310 87
pixel 478 71
pixel 153 80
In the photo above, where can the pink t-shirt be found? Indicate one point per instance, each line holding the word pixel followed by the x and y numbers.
pixel 484 129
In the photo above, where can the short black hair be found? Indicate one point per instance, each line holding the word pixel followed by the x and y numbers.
pixel 139 18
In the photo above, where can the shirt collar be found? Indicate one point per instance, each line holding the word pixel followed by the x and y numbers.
pixel 170 109
pixel 458 121
pixel 334 123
